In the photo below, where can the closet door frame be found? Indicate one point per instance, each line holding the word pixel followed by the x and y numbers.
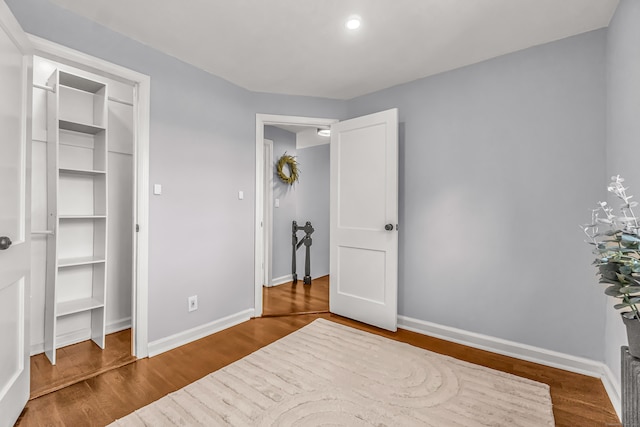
pixel 141 83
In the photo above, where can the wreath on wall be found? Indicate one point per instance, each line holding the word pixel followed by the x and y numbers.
pixel 288 162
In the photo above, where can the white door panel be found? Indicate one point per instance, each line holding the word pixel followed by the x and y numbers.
pixel 364 198
pixel 15 106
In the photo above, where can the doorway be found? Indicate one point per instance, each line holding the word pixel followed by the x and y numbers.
pixel 306 200
pixel 125 304
pixel 363 212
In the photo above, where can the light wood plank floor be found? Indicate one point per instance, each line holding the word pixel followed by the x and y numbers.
pixel 578 400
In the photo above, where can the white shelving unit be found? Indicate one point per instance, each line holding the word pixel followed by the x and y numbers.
pixel 77 205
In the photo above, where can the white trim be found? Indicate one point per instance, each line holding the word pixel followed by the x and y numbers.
pixel 507 348
pixel 526 352
pixel 181 338
pixel 261 121
pixel 56 52
pixel 268 213
pixel 80 335
pixel 140 306
pixel 613 389
pixel 142 85
pixel 14 31
pixel 73 337
pixel 118 325
pixel 281 280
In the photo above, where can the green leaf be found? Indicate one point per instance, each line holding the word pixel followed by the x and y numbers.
pixel 609 267
pixel 621 305
pixel 627 250
pixel 630 289
pixel 613 291
pixel 622 278
pixel 626 237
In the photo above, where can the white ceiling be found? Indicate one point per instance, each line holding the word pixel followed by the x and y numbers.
pixel 301 47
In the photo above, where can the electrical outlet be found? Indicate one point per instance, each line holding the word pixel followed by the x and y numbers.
pixel 193 303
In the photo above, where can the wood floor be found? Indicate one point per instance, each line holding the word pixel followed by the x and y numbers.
pixel 77 362
pixel 578 401
pixel 296 299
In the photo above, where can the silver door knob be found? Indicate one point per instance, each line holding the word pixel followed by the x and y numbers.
pixel 388 227
pixel 5 242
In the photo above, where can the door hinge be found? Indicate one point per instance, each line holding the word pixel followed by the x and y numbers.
pixel 137 228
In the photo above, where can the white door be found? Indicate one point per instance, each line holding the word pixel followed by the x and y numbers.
pixel 364 217
pixel 15 108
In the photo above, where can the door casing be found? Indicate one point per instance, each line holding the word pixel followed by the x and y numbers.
pixel 267 222
pixel 261 121
pixel 142 86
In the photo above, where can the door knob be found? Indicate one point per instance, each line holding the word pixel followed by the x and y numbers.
pixel 5 242
pixel 388 227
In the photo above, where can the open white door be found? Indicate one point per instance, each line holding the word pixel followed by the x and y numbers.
pixel 15 124
pixel 364 217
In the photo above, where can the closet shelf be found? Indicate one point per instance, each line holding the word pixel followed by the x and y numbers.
pixel 77 200
pixel 74 171
pixel 73 81
pixel 80 127
pixel 72 262
pixel 77 306
pixel 92 87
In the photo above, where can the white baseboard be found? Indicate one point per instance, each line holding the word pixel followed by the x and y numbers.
pixel 613 388
pixel 73 337
pixel 168 343
pixel 526 352
pixel 289 278
pixel 281 280
pixel 118 325
pixel 82 335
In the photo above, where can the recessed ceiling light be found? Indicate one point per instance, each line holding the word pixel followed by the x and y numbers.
pixel 353 23
pixel 324 132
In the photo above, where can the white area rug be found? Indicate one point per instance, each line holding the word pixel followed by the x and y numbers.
pixel 330 374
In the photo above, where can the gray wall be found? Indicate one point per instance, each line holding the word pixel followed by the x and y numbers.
pixel 202 133
pixel 306 200
pixel 499 164
pixel 623 133
pixel 500 161
pixel 313 205
pixel 283 141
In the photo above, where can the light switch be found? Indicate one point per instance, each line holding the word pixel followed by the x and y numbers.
pixel 277 203
pixel 157 189
pixel 240 195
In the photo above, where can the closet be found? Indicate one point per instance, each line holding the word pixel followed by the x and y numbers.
pixel 82 207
